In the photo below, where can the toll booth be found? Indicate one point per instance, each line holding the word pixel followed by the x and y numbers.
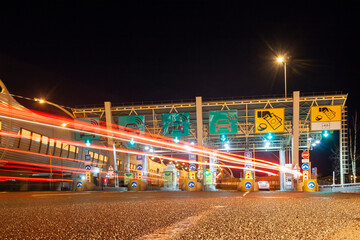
pixel 170 178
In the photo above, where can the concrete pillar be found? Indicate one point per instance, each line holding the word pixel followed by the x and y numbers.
pixel 199 131
pixel 295 130
pixel 110 141
pixel 282 173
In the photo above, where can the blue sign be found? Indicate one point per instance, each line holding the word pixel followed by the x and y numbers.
pixel 191 184
pixel 311 184
pixel 88 167
pixel 305 166
pixel 192 156
pixel 87 157
pixel 248 185
pixel 134 184
pixel 139 167
pixel 79 184
pixel 139 157
pixel 192 167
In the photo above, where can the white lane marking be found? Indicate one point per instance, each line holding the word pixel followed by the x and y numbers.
pixel 57 194
pixel 177 228
pixel 246 193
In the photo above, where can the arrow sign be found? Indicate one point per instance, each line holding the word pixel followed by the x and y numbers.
pixel 139 167
pixel 311 184
pixel 88 167
pixel 79 184
pixel 248 185
pixel 192 167
pixel 191 184
pixel 133 184
pixel 305 167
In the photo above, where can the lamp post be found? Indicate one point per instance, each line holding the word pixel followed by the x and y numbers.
pixel 41 101
pixel 283 60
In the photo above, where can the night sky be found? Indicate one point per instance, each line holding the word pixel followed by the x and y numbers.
pixel 74 54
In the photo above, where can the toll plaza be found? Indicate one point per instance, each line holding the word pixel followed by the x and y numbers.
pixel 290 127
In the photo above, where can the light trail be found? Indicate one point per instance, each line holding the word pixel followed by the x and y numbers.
pixel 6 178
pixel 163 144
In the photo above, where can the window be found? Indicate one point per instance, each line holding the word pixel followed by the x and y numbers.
pixel 44 144
pixel 51 146
pixel 24 140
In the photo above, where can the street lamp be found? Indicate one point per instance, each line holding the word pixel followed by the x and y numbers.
pixel 281 59
pixel 41 101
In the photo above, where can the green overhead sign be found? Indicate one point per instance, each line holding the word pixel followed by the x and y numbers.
pixel 136 122
pixel 95 121
pixel 223 122
pixel 176 124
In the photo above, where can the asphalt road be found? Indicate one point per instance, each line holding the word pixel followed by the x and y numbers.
pixel 179 215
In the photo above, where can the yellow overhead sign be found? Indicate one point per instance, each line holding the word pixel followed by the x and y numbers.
pixel 269 120
pixel 329 113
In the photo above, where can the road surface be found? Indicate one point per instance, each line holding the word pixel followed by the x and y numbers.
pixel 179 215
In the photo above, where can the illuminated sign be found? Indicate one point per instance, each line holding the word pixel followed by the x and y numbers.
pixel 269 120
pixel 326 117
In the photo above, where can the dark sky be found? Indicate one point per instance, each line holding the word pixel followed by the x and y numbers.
pixel 74 54
pixel 160 50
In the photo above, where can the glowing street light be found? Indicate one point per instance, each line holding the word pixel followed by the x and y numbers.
pixel 41 101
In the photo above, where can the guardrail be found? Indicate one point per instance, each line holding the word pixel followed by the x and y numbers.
pixel 347 187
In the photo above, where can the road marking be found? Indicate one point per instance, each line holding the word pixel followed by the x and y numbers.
pixel 57 194
pixel 246 193
pixel 177 228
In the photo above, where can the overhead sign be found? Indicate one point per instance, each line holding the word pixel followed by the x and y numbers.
pixel 176 124
pixel 305 167
pixel 134 123
pixel 326 117
pixel 95 122
pixel 270 120
pixel 223 122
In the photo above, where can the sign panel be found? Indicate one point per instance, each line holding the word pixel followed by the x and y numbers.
pixel 176 124
pixel 326 117
pixel 127 178
pixel 305 154
pixel 191 184
pixel 192 167
pixel 247 174
pixel 305 167
pixel 87 157
pixel 88 176
pixel 139 157
pixel 208 177
pixel 311 184
pixel 192 174
pixel 192 156
pixel 79 184
pixel 223 122
pixel 270 120
pixel 134 123
pixel 247 185
pixel 84 136
pixel 305 175
pixel 139 167
pixel 168 177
